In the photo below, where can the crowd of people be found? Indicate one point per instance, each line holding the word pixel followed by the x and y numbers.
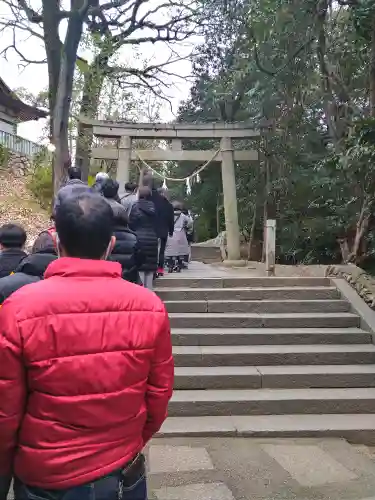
pixel 86 367
pixel 152 234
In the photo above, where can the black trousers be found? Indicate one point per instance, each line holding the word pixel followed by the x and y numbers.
pixel 162 245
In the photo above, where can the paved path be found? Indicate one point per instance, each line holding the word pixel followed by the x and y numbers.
pixel 200 270
pixel 259 469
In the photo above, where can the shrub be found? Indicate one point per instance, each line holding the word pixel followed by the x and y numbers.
pixel 41 185
pixel 4 155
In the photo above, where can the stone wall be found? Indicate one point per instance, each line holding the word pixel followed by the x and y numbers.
pixel 18 164
pixel 363 283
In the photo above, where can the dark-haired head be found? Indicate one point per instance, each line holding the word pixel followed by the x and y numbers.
pixel 12 236
pixel 178 205
pixel 157 183
pixel 84 225
pixel 163 192
pixel 109 188
pixel 148 180
pixel 74 173
pixel 130 187
pixel 144 193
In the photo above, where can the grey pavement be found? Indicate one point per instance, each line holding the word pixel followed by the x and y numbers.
pixel 256 269
pixel 200 270
pixel 259 469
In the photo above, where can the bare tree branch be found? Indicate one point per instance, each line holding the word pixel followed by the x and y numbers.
pixel 13 46
pixel 32 15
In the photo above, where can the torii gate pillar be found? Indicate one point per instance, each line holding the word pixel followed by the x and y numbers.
pixel 124 162
pixel 230 201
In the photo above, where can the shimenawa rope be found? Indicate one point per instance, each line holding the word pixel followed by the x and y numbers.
pixel 181 179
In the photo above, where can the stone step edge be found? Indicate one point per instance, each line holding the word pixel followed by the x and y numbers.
pixel 356 428
pixel 255 301
pixel 260 279
pixel 266 315
pixel 246 289
pixel 290 394
pixel 260 371
pixel 269 331
pixel 273 348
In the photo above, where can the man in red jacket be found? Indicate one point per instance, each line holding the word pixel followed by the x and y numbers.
pixel 86 370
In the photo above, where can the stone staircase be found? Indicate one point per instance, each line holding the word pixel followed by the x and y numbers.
pixel 268 357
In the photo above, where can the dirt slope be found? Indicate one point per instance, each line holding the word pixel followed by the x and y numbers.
pixel 17 205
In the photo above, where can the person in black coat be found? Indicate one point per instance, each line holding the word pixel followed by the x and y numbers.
pixel 126 250
pixel 164 222
pixel 142 220
pixel 12 241
pixel 30 270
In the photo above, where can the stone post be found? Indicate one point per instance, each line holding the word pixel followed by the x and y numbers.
pixel 270 235
pixel 230 202
pixel 176 145
pixel 124 162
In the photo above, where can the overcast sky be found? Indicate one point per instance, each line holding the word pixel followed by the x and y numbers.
pixel 34 76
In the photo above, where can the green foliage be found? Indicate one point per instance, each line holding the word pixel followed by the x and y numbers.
pixel 346 181
pixel 40 181
pixel 362 14
pixel 4 156
pixel 304 66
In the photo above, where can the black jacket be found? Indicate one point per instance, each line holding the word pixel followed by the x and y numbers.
pixel 127 252
pixel 119 212
pixel 164 215
pixel 142 221
pixel 30 270
pixel 73 187
pixel 9 260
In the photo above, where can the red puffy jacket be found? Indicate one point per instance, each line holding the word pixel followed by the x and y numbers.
pixel 86 373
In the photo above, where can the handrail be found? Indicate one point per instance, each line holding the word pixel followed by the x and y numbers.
pixel 18 144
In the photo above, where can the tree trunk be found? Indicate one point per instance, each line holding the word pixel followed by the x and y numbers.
pixel 344 248
pixel 52 42
pixel 93 84
pixel 372 68
pixel 361 231
pixel 63 99
pixel 325 83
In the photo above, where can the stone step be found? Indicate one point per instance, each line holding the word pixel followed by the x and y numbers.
pixel 268 336
pixel 274 377
pixel 279 320
pixel 197 403
pixel 356 428
pixel 257 306
pixel 270 293
pixel 267 355
pixel 239 282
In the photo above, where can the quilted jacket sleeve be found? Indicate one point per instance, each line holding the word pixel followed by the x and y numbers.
pixel 160 381
pixel 12 387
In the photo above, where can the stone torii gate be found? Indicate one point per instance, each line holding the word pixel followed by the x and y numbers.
pixel 125 132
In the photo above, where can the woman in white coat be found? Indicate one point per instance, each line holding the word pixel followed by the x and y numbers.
pixel 177 245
